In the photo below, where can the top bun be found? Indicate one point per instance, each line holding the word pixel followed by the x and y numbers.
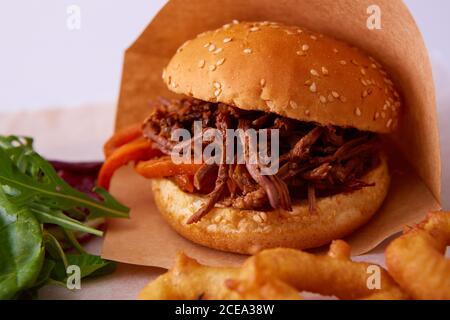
pixel 290 71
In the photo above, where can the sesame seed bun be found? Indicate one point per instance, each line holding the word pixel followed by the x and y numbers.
pixel 290 71
pixel 247 231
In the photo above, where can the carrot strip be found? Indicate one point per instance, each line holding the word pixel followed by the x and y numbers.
pixel 134 151
pixel 121 138
pixel 184 182
pixel 164 167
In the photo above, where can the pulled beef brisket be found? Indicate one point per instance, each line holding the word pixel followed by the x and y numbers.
pixel 274 187
pixel 222 123
pixel 315 160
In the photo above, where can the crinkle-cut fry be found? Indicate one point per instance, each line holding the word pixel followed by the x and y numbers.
pixel 275 274
pixel 189 280
pixel 331 275
pixel 121 138
pixel 416 259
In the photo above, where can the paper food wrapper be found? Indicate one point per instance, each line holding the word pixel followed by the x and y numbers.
pixel 146 239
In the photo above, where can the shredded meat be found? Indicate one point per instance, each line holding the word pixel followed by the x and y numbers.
pixel 315 161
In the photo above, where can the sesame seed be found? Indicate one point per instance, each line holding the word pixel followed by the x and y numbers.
pixel 270 104
pixel 254 29
pixel 206 45
pixel 396 94
pixel 308 82
pixel 323 99
pixel 354 62
pixel 388 102
pixel 262 82
pixel 358 112
pixel 212 228
pixel 364 82
pixel 248 50
pixel 217 92
pixel 313 37
pixel 235 21
pixel 263 215
pixel 388 81
pixel 201 63
pixel 293 104
pixel 314 72
pixel 212 67
pixel 289 32
pixel 257 218
pixel 384 73
pixel 335 94
pixel 313 87
pixel 388 124
pixel 220 62
pixel 373 65
pixel 226 40
pixel 301 53
pixel 211 48
pixel 335 50
pixel 264 23
pixel 217 85
pixel 307 112
pixel 385 107
pixel 383 115
pixel 324 70
pixel 363 71
pixel 343 62
pixel 343 99
pixel 377 115
pixel 299 30
pixel 305 47
pixel 218 50
pixel 227 26
pixel 365 93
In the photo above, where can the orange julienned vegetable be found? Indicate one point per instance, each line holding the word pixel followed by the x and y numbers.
pixel 184 182
pixel 140 149
pixel 121 138
pixel 164 167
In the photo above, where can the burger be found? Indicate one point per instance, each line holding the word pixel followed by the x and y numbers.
pixel 329 103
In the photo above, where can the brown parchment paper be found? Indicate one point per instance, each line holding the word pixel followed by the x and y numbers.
pixel 146 239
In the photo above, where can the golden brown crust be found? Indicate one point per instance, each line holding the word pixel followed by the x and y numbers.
pixel 416 259
pixel 248 231
pixel 287 70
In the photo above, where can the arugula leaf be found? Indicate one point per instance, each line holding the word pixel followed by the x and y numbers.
pixel 90 266
pixel 21 248
pixel 33 197
pixel 30 179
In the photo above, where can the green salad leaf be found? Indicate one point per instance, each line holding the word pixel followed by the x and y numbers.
pixel 21 248
pixel 32 197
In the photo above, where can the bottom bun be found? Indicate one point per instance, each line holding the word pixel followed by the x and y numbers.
pixel 248 231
